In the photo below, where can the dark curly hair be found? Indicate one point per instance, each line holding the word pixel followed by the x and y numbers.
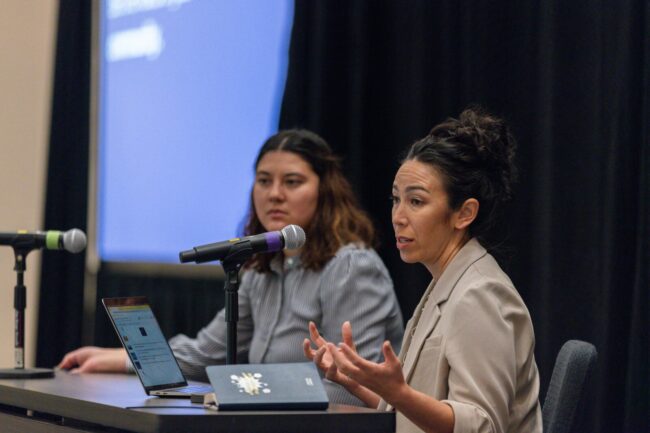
pixel 475 156
pixel 338 219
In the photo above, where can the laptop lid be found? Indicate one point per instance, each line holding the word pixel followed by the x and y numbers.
pixel 147 347
pixel 291 386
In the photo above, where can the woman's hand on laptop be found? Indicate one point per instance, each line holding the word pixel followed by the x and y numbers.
pixel 90 359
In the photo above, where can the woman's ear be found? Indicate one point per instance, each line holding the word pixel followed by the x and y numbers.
pixel 466 214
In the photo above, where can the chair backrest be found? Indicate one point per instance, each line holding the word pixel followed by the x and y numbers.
pixel 572 369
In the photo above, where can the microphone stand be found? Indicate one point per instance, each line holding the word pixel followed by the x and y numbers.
pixel 232 263
pixel 20 302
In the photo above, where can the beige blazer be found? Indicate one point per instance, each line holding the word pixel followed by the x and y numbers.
pixel 470 344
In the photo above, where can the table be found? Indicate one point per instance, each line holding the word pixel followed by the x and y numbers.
pixel 70 403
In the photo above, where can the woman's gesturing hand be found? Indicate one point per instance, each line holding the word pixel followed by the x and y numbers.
pixel 321 356
pixel 385 379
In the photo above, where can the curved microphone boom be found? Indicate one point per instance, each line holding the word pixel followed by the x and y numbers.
pixel 290 238
pixel 233 254
pixel 73 240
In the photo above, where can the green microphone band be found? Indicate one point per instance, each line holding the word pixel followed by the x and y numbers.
pixel 52 240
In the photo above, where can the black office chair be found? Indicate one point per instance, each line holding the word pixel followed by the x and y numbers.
pixel 572 369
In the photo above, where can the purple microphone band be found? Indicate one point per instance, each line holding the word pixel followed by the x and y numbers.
pixel 273 241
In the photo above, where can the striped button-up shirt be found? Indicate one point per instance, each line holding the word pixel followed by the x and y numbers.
pixel 275 309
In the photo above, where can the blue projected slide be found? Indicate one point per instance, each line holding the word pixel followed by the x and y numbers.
pixel 189 91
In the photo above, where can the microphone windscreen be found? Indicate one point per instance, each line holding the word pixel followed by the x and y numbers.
pixel 74 240
pixel 294 237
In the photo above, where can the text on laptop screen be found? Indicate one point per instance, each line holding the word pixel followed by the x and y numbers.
pixel 146 344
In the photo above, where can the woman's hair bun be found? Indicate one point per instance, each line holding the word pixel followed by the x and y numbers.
pixel 488 139
pixel 475 155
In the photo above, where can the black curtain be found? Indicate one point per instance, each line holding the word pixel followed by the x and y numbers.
pixel 572 78
pixel 182 304
pixel 62 274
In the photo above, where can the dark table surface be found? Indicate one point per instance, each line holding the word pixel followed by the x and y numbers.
pixel 119 401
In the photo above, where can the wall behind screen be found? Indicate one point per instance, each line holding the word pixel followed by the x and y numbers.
pixel 27 30
pixel 189 90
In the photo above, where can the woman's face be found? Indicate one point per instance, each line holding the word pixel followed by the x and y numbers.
pixel 285 191
pixel 424 224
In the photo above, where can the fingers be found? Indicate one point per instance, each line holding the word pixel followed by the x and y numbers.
pixel 85 364
pixel 389 355
pixel 328 367
pixel 355 366
pixel 315 335
pixel 346 332
pixel 332 373
pixel 306 347
pixel 72 359
pixel 316 338
pixel 341 360
pixel 331 370
pixel 353 357
pixel 340 369
pixel 75 359
pixel 67 361
pixel 318 356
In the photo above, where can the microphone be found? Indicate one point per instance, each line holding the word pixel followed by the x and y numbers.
pixel 73 240
pixel 291 237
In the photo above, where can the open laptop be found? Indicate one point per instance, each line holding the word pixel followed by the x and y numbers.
pixel 150 354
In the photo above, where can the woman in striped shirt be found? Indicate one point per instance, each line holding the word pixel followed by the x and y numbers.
pixel 336 276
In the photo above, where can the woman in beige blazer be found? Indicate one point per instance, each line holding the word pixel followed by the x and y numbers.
pixel 467 362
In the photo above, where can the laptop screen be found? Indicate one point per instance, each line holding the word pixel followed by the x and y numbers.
pixel 145 343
